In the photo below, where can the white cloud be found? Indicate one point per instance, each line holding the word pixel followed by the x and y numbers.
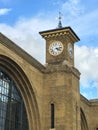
pixel 4 11
pixel 86 25
pixel 73 8
pixel 25 34
pixel 86 60
pixel 84 22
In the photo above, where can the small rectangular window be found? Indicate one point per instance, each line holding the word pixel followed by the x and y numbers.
pixel 52 115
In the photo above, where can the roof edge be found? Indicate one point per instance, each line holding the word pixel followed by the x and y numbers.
pixel 21 52
pixel 59 29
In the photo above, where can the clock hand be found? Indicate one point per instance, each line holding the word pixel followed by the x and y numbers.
pixel 58 48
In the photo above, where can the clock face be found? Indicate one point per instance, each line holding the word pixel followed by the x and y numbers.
pixel 70 49
pixel 56 48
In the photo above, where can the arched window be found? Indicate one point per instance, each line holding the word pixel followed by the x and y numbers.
pixel 84 125
pixel 12 110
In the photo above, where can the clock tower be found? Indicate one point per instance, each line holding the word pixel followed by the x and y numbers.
pixel 61 104
pixel 60 45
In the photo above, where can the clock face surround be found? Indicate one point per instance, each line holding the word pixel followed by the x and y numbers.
pixel 56 48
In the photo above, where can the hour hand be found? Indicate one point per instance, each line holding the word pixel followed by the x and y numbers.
pixel 58 48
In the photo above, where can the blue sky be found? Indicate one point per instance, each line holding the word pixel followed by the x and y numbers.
pixel 21 20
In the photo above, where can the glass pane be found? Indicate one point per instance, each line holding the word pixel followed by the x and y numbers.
pixel 12 110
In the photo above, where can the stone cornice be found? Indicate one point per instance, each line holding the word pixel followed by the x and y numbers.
pixel 60 32
pixel 85 100
pixel 94 102
pixel 19 51
pixel 91 103
pixel 50 68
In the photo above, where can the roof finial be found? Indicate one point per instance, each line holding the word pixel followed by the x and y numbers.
pixel 59 18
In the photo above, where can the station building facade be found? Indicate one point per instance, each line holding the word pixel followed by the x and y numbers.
pixel 44 97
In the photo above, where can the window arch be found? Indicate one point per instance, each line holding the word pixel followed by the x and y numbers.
pixel 84 125
pixel 12 110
